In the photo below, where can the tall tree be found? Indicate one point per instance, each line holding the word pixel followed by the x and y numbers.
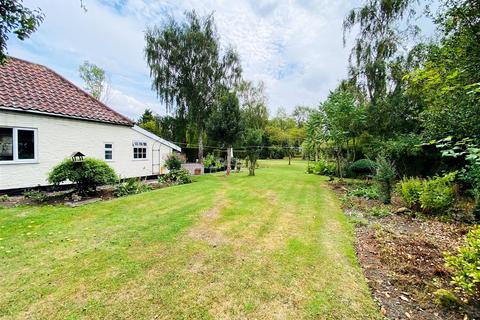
pixel 254 112
pixel 283 132
pixel 315 133
pixel 253 141
pixel 16 19
pixel 95 80
pixel 377 42
pixel 253 102
pixel 300 114
pixel 341 121
pixel 167 127
pixel 225 124
pixel 379 60
pixel 188 68
pixel 448 81
pixel 149 121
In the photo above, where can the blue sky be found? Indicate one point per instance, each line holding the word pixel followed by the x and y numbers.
pixel 295 47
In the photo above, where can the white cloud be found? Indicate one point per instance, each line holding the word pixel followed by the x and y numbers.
pixel 295 47
pixel 125 104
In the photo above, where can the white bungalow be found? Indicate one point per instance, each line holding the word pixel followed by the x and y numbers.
pixel 44 118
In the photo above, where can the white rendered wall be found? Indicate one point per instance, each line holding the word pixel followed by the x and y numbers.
pixel 59 137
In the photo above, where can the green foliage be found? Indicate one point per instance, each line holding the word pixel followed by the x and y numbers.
pixel 36 195
pixel 464 150
pixel 94 78
pixel 181 176
pixel 432 195
pixel 253 139
pixel 370 192
pixel 283 133
pixel 171 128
pixel 339 119
pixel 410 189
pixel 446 299
pixel 472 176
pixel 16 19
pixel 322 167
pixel 210 160
pixel 379 212
pixel 362 167
pixel 385 174
pixel 4 198
pixel 253 101
pixel 301 114
pixel 130 186
pixel 437 193
pixel 224 124
pixel 86 175
pixel 448 81
pixel 173 161
pixel 189 69
pixel 466 264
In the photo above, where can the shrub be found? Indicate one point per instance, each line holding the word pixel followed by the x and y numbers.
pixel 437 193
pixel 173 161
pixel 209 161
pixel 362 167
pixel 466 265
pixel 446 299
pixel 130 186
pixel 36 195
pixel 385 174
pixel 181 176
pixel 379 212
pixel 410 189
pixel 367 192
pixel 323 167
pixel 472 176
pixel 86 175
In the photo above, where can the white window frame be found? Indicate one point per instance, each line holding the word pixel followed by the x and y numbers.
pixel 110 149
pixel 139 144
pixel 16 160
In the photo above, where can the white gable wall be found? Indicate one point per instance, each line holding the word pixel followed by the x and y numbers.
pixel 59 137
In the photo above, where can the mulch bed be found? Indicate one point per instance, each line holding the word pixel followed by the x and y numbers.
pixel 67 196
pixel 402 257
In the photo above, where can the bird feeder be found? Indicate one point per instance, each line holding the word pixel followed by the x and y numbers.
pixel 77 156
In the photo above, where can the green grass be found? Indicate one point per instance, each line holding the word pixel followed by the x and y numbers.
pixel 271 246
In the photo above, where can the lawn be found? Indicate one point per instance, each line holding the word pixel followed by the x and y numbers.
pixel 273 246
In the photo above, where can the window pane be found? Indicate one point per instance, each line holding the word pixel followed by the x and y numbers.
pixel 26 144
pixel 108 146
pixel 108 155
pixel 6 144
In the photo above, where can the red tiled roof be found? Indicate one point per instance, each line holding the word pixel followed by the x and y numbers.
pixel 30 87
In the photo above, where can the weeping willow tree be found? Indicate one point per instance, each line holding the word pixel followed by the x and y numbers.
pixel 383 52
pixel 188 68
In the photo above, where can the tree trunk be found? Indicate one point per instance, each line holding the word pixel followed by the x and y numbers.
pixel 229 159
pixel 354 150
pixel 339 164
pixel 251 169
pixel 289 158
pixel 200 146
pixel 316 153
